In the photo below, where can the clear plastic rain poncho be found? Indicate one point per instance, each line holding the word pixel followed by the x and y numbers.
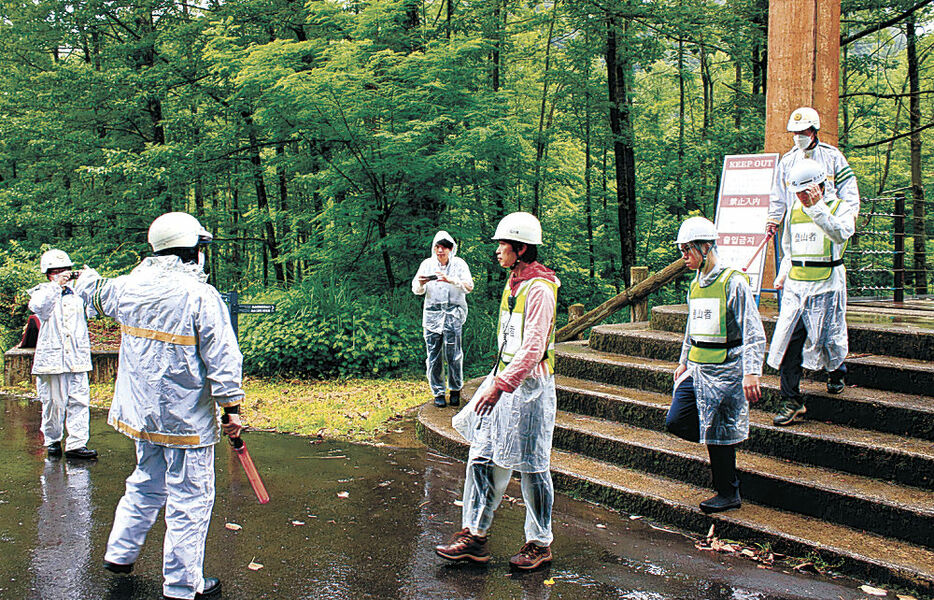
pixel 722 408
pixel 822 304
pixel 840 178
pixel 445 303
pixel 179 358
pixel 517 434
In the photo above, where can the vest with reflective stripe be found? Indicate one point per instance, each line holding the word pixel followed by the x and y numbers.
pixel 707 318
pixel 808 243
pixel 511 328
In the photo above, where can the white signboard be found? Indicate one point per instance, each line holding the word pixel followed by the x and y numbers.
pixel 742 211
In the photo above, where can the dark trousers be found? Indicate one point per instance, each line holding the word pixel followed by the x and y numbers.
pixel 684 422
pixel 790 371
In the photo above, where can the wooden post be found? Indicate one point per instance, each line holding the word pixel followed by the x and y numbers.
pixel 575 312
pixel 640 311
pixel 803 70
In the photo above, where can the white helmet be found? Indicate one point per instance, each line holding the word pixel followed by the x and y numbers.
pixel 803 118
pixel 177 230
pixel 519 227
pixel 804 173
pixel 696 229
pixel 54 259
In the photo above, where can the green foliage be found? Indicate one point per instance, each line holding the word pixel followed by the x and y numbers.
pixel 18 273
pixel 324 330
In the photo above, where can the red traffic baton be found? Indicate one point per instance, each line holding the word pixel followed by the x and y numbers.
pixel 768 236
pixel 252 475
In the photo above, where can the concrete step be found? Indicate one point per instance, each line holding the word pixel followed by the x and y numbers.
pixel 862 554
pixel 869 333
pixel 890 373
pixel 881 507
pixel 862 408
pixel 903 460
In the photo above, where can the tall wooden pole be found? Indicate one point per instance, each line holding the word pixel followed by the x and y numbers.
pixel 803 70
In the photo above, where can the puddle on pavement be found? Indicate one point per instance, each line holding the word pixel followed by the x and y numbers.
pixel 377 542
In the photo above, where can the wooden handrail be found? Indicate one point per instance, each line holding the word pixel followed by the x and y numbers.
pixel 623 299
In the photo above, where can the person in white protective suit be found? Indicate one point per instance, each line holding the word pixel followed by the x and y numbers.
pixel 811 327
pixel 62 358
pixel 721 360
pixel 179 361
pixel 510 420
pixel 804 125
pixel 444 279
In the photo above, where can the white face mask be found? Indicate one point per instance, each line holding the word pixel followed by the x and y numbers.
pixel 200 260
pixel 802 140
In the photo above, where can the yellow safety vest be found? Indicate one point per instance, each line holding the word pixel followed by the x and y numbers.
pixel 511 328
pixel 707 320
pixel 811 250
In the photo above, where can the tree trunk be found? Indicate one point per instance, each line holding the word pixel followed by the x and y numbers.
pixel 262 201
pixel 540 142
pixel 917 189
pixel 284 207
pixel 621 125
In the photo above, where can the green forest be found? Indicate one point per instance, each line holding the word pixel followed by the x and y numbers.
pixel 325 142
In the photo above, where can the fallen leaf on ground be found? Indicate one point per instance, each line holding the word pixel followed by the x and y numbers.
pixel 873 591
pixel 748 552
pixel 343 494
pixel 634 517
pixel 233 526
pixel 905 597
pixel 458 503
pixel 297 523
pixel 601 526
pixel 549 582
pixel 254 566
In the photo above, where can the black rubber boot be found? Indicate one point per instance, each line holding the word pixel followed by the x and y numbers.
pixel 212 587
pixel 55 449
pixel 723 470
pixel 118 568
pixel 455 399
pixel 439 401
pixel 83 453
pixel 835 382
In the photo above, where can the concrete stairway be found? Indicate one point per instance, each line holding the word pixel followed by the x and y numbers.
pixel 854 484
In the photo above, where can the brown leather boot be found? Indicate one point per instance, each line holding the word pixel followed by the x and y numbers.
pixel 463 545
pixel 531 556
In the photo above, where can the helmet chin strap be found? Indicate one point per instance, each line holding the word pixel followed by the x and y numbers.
pixel 703 253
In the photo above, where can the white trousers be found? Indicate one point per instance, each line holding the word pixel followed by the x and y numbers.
pixel 483 491
pixel 66 401
pixel 182 480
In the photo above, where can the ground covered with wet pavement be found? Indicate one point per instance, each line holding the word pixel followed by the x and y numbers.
pixel 346 521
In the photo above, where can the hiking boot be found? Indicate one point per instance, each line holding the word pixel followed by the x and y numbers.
pixel 439 401
pixel 455 399
pixel 720 503
pixel 212 587
pixel 55 449
pixel 463 545
pixel 83 453
pixel 531 556
pixel 789 413
pixel 118 568
pixel 835 384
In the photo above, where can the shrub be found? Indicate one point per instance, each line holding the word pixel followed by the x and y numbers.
pixel 322 330
pixel 18 273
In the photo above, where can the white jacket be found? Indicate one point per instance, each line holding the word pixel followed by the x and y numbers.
pixel 179 358
pixel 63 345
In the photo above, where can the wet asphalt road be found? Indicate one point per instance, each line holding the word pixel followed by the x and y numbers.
pixel 377 542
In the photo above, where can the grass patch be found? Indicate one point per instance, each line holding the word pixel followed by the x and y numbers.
pixel 354 409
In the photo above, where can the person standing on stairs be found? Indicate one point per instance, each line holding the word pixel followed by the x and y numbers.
pixel 510 420
pixel 444 279
pixel 811 328
pixel 721 361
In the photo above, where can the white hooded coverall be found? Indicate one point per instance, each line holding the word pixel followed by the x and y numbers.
pixel 61 363
pixel 179 361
